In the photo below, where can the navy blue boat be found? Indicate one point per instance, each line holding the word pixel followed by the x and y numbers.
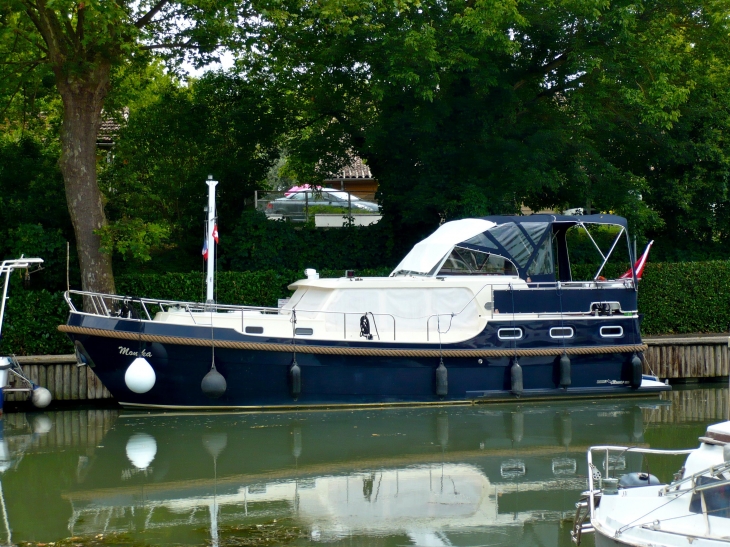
pixel 482 309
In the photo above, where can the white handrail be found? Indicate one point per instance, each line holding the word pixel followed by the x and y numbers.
pixel 7 267
pixel 610 448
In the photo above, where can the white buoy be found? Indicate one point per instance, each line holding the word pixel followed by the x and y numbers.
pixel 41 424
pixel 41 397
pixel 141 450
pixel 215 443
pixel 140 376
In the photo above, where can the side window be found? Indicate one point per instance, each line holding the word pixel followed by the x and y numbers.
pixel 543 263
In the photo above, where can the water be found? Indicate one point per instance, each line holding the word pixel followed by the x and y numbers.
pixel 466 476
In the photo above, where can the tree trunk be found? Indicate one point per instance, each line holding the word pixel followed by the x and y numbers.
pixel 83 98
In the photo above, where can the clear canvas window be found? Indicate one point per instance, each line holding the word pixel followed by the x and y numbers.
pixel 463 261
pixel 514 241
pixel 543 263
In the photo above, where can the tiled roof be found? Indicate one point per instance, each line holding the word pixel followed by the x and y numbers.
pixel 356 170
pixel 108 131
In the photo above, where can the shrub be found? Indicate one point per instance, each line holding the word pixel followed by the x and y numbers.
pixel 31 321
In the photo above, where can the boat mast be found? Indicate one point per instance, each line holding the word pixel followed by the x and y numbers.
pixel 210 275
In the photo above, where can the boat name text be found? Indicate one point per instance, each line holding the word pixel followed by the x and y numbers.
pixel 127 351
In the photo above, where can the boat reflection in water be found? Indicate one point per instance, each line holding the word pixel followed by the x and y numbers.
pixel 470 475
pixel 421 476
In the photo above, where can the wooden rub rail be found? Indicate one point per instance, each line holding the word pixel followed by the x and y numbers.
pixel 340 350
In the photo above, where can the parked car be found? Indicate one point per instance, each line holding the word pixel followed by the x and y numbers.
pixel 296 204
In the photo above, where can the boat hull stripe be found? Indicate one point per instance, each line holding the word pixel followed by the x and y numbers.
pixel 339 350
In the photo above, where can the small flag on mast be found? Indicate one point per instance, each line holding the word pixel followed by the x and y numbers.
pixel 215 232
pixel 205 249
pixel 639 266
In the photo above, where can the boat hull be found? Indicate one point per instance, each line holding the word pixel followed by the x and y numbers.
pixel 378 373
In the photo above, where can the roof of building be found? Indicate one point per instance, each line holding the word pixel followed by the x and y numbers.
pixel 357 169
pixel 109 128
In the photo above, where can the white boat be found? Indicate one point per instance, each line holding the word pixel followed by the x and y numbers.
pixel 9 366
pixel 637 509
pixel 482 309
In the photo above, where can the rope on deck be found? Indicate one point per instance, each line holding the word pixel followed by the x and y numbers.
pixel 366 352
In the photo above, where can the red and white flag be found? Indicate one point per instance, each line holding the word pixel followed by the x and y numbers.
pixel 215 232
pixel 639 266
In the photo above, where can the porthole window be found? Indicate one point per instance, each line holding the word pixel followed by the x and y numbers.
pixel 254 330
pixel 612 332
pixel 303 331
pixel 512 333
pixel 561 332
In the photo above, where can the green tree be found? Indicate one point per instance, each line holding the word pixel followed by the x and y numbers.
pixel 83 43
pixel 467 108
pixel 223 125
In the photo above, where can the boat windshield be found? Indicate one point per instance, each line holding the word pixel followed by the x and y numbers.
pixel 463 261
pixel 533 247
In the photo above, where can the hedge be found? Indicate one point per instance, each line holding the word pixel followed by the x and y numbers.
pixel 675 298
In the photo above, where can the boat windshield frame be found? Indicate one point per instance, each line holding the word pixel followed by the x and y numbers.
pixel 530 248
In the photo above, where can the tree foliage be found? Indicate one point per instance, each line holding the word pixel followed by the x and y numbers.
pixel 83 43
pixel 467 108
pixel 222 125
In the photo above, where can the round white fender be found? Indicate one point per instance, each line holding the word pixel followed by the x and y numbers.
pixel 140 376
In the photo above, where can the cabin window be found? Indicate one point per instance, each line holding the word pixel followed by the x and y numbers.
pixel 543 262
pixel 535 229
pixel 561 332
pixel 303 331
pixel 612 332
pixel 464 261
pixel 513 333
pixel 254 330
pixel 514 241
pixel 481 240
pixel 716 494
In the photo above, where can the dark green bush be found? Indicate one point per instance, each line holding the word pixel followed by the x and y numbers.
pixel 685 297
pixel 258 243
pixel 262 288
pixel 31 321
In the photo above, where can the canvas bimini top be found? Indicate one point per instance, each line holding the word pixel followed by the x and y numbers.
pixel 521 246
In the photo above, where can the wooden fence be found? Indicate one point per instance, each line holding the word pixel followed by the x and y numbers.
pixel 687 356
pixel 62 377
pixel 707 405
pixel 54 429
